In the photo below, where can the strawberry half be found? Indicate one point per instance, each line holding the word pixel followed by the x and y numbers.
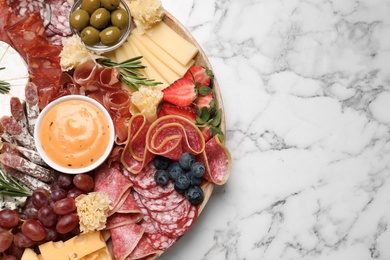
pixel 181 92
pixel 200 75
pixel 204 101
pixel 169 109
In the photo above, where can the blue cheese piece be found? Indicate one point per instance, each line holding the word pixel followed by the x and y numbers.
pixel 9 202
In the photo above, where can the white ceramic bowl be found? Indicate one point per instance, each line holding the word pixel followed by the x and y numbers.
pixel 101 48
pixel 81 169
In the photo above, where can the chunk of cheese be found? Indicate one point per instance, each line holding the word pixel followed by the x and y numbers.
pixel 162 55
pixel 150 71
pixel 101 254
pixel 53 250
pixel 120 54
pixel 29 254
pixel 84 244
pixel 168 74
pixel 179 48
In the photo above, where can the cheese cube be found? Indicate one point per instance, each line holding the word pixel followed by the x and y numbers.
pixel 101 254
pixel 84 244
pixel 179 48
pixel 29 254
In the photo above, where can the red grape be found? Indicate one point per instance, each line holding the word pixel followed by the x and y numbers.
pixel 83 181
pixel 21 241
pixel 31 213
pixel 6 238
pixel 40 198
pixel 33 229
pixel 47 216
pixel 9 218
pixel 16 251
pixel 64 206
pixel 10 257
pixel 67 223
pixel 57 193
pixel 51 234
pixel 65 181
pixel 74 193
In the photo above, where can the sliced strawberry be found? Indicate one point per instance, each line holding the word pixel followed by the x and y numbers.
pixel 206 132
pixel 181 92
pixel 200 75
pixel 169 109
pixel 204 101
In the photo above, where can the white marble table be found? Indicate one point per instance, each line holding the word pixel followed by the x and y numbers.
pixel 306 89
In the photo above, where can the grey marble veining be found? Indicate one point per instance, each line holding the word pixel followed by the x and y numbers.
pixel 306 91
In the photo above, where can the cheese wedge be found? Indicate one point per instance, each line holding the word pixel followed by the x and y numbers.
pixel 150 71
pixel 53 250
pixel 168 74
pixel 15 72
pixel 161 54
pixel 179 48
pixel 29 254
pixel 84 244
pixel 101 254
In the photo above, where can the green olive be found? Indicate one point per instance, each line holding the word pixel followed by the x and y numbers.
pixel 110 35
pixel 79 19
pixel 100 18
pixel 90 5
pixel 110 5
pixel 90 36
pixel 120 18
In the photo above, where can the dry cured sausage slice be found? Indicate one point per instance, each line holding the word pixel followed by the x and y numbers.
pixel 145 251
pixel 156 191
pixel 172 216
pixel 31 182
pixel 4 15
pixel 17 111
pixel 120 219
pixel 11 126
pixel 166 203
pixel 32 107
pixel 124 239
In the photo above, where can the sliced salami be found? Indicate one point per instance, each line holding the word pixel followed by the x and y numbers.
pixel 4 14
pixel 120 219
pixel 32 107
pixel 60 11
pixel 172 216
pixel 143 179
pixel 30 182
pixel 124 239
pixel 166 203
pixel 11 126
pixel 157 191
pixel 130 206
pixel 145 251
pixel 160 241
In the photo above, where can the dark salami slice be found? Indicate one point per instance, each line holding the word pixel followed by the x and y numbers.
pixel 60 11
pixel 27 33
pixel 17 111
pixel 166 203
pixel 4 14
pixel 172 216
pixel 11 126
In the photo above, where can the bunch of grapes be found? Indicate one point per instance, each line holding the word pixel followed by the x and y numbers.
pixel 47 216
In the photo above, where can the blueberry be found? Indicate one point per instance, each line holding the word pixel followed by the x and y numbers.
pixel 186 160
pixel 197 169
pixel 195 195
pixel 194 180
pixel 174 170
pixel 161 162
pixel 161 177
pixel 182 183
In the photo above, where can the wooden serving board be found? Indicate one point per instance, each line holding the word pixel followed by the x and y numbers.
pixel 200 59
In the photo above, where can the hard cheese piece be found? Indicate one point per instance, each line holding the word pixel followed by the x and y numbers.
pixel 120 54
pixel 172 43
pixel 150 71
pixel 101 254
pixel 168 74
pixel 53 250
pixel 162 55
pixel 29 254
pixel 84 244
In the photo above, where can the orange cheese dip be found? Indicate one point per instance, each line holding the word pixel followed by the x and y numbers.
pixel 74 133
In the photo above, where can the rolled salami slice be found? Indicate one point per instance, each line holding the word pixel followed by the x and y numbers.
pixel 19 163
pixel 125 239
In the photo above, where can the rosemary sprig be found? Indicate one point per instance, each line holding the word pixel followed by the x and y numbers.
pixel 10 186
pixel 4 86
pixel 130 72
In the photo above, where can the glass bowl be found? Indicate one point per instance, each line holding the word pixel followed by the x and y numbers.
pixel 101 48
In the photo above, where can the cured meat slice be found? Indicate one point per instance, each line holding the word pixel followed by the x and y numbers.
pixel 111 181
pixel 21 8
pixel 31 155
pixel 124 239
pixel 144 179
pixel 19 163
pixel 27 33
pixel 11 126
pixel 166 203
pixel 171 136
pixel 172 216
pixel 216 159
pixel 120 219
pixel 29 181
pixel 109 78
pixel 32 107
pixel 85 72
pixel 6 136
pixel 160 241
pixel 4 14
pixel 156 191
pixel 135 155
pixel 130 206
pixel 145 251
pixel 121 133
pixel 118 102
pixel 59 25
pixel 17 111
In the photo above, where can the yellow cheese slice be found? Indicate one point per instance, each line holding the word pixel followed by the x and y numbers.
pixel 101 254
pixel 53 250
pixel 168 74
pixel 29 254
pixel 179 48
pixel 162 55
pixel 120 54
pixel 84 244
pixel 150 71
